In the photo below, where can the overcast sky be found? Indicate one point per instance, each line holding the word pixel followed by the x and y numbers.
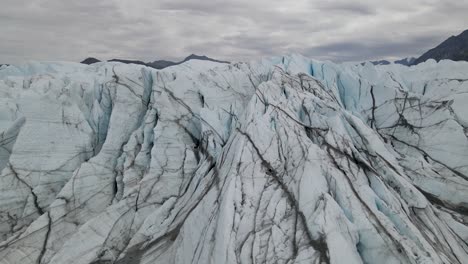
pixel 338 30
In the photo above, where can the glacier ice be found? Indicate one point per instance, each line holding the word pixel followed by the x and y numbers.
pixel 280 160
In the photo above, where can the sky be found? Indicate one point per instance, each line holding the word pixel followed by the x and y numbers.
pixel 236 30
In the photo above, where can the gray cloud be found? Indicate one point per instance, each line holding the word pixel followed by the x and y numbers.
pixel 359 8
pixel 356 50
pixel 337 30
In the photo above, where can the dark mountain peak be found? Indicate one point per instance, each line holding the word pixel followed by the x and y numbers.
pixel 196 57
pixel 454 48
pixel 202 57
pixel 464 33
pixel 90 60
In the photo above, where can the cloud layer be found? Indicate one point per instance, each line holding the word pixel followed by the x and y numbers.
pixel 337 30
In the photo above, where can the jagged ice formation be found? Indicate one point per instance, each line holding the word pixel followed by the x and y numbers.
pixel 283 160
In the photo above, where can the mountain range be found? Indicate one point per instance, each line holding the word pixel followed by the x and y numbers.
pixel 158 64
pixel 454 48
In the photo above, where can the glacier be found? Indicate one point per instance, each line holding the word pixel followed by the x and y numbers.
pixel 279 160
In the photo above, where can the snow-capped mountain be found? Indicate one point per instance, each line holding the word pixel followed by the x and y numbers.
pixel 405 61
pixel 282 160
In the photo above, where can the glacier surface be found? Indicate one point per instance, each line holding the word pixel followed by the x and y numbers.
pixel 280 160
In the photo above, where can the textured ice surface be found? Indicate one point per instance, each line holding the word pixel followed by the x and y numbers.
pixel 283 160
